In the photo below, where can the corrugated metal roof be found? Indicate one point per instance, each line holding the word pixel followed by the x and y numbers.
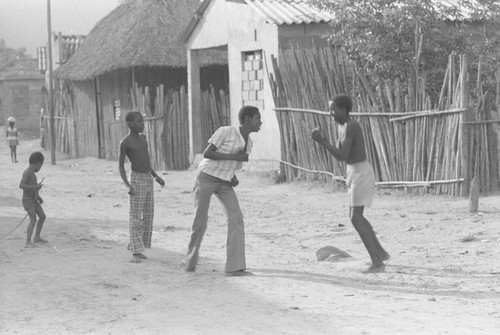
pixel 289 11
pixel 70 43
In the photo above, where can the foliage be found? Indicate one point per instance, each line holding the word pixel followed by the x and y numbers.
pixel 15 61
pixel 8 55
pixel 385 36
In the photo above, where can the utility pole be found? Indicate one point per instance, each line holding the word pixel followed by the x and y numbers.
pixel 51 90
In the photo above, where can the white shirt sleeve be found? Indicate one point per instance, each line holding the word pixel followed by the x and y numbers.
pixel 218 137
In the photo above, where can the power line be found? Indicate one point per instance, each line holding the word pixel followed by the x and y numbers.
pixel 80 14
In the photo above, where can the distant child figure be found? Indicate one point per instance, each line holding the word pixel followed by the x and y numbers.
pixel 135 147
pixel 12 138
pixel 360 176
pixel 32 201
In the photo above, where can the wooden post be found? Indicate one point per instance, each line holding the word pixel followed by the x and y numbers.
pixel 194 93
pixel 51 90
pixel 474 195
pixel 75 139
pixel 97 113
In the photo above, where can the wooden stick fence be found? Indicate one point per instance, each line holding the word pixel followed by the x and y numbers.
pixel 166 125
pixel 431 148
pixel 215 111
pixel 64 124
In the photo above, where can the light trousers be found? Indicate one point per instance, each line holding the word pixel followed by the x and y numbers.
pixel 206 185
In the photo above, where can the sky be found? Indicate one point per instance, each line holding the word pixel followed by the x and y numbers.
pixel 23 23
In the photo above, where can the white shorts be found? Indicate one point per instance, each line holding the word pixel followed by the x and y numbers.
pixel 360 184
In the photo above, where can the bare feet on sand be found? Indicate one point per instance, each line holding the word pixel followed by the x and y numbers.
pixel 39 240
pixel 190 262
pixel 30 245
pixel 135 258
pixel 375 269
pixel 239 273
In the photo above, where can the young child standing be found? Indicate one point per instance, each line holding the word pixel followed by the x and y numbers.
pixel 32 201
pixel 135 147
pixel 12 138
pixel 360 176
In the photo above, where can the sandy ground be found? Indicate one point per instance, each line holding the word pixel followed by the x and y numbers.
pixel 83 283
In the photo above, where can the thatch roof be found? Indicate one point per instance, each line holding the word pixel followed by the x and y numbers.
pixel 137 33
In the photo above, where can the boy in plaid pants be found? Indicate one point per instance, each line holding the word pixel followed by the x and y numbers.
pixel 135 147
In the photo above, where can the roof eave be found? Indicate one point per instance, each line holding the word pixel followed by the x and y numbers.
pixel 186 34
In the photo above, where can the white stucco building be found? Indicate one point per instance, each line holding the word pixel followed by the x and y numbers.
pixel 252 31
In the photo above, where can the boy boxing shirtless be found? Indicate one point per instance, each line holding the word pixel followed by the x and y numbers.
pixel 360 176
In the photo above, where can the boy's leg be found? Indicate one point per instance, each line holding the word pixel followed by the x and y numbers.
pixel 383 255
pixel 39 225
pixel 148 215
pixel 204 188
pixel 31 226
pixel 235 247
pixel 367 235
pixel 136 245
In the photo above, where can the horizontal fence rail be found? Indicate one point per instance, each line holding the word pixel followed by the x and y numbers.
pixel 409 141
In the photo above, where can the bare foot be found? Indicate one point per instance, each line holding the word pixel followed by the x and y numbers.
pixel 135 258
pixel 30 245
pixel 375 269
pixel 385 256
pixel 190 262
pixel 142 256
pixel 239 273
pixel 39 240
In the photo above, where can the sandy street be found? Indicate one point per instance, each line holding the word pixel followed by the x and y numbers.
pixel 443 277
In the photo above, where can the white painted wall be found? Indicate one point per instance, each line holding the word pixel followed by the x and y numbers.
pixel 237 25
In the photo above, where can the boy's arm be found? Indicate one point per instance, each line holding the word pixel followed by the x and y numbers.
pixel 211 153
pixel 121 163
pixel 341 153
pixel 158 179
pixel 234 181
pixel 24 184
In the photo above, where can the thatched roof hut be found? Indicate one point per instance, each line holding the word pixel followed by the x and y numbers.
pixel 138 33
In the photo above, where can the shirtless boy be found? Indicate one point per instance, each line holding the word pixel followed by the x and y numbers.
pixel 32 201
pixel 360 176
pixel 135 147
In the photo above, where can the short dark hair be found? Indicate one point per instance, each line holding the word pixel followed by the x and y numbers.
pixel 36 157
pixel 130 117
pixel 343 100
pixel 249 111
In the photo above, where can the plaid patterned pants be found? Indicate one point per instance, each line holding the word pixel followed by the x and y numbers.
pixel 141 212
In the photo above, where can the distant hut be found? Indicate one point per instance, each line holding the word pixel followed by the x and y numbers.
pixel 131 61
pixel 21 94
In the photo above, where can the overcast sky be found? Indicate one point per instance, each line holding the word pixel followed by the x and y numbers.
pixel 23 23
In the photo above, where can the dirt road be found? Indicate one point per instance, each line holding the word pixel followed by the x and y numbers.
pixel 443 277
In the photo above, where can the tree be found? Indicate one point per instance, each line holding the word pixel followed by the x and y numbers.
pixel 15 60
pixel 384 36
pixel 9 55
